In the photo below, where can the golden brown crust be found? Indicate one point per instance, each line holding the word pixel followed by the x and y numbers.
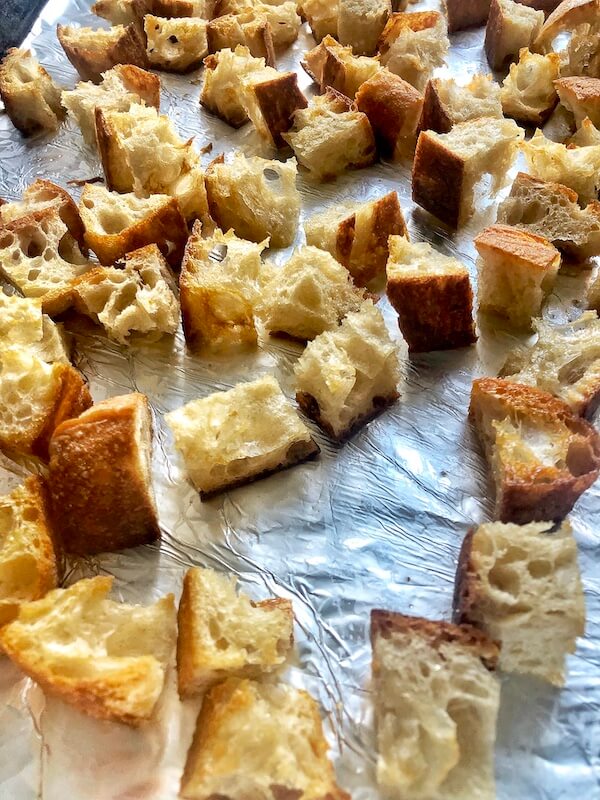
pixel 90 64
pixel 410 21
pixel 434 116
pixel 310 406
pixel 466 13
pixel 117 172
pixel 324 66
pixel 143 83
pixel 72 399
pixel 437 180
pixel 521 246
pixel 278 100
pixel 465 584
pixel 568 15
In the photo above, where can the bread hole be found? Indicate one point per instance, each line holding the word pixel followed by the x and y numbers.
pixel 173 39
pixel 580 458
pixel 271 174
pixel 505 579
pixel 532 213
pixel 574 370
pixel 539 568
pixel 31 514
pixel 49 254
pixel 88 202
pixel 35 247
pixel 33 274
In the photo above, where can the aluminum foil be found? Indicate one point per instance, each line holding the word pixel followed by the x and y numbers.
pixel 377 522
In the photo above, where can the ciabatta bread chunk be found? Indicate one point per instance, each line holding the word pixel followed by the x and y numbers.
pixel 521 585
pixel 175 45
pixel 517 269
pixel 137 298
pixel 446 103
pixel 361 23
pixel 106 659
pixel 432 295
pixel 247 29
pixel 94 51
pixel 528 91
pixel 542 455
pixel 309 294
pixel 575 167
pixel 255 197
pixel 232 438
pixel 413 45
pixel 100 477
pixel 322 17
pixel 551 210
pixel 222 633
pixel 511 26
pixel 329 137
pixel 35 398
pixel 436 703
pixel 28 558
pixel 121 87
pixel 348 375
pixel 220 284
pixel 356 234
pixel 564 361
pixel 330 64
pixel 116 224
pixel 23 325
pixel 466 13
pixel 581 96
pixel 30 96
pixel 448 165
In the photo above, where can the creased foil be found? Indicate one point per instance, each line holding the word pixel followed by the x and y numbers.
pixel 377 522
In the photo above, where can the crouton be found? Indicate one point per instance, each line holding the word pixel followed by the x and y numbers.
pixel 281 19
pixel 511 27
pixel 30 96
pixel 226 75
pixel 569 14
pixel 446 103
pixel 330 64
pixel 22 325
pixel 413 45
pixel 322 17
pixel 175 45
pixel 121 12
pixel 466 13
pixel 581 96
pixel 528 91
pixel 360 24
pixel 94 51
pixel 246 29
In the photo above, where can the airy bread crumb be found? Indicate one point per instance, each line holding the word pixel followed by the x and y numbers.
pixel 175 45
pixel 331 64
pixel 281 19
pixel 247 29
pixel 511 26
pixel 31 98
pixel 447 103
pixel 412 45
pixel 361 23
pixel 528 92
pixel 581 96
pixel 22 324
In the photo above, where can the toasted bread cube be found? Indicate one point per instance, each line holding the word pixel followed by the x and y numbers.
pixel 413 45
pixel 222 633
pixel 232 438
pixel 28 557
pixel 310 294
pixel 569 15
pixel 361 23
pixel 35 399
pixel 446 103
pixel 511 27
pixel 256 198
pixel 528 92
pixel 116 224
pixel 348 375
pixel 517 269
pixel 329 137
pixel 432 295
pixel 22 324
pixel 175 45
pixel 330 64
pixel 581 96
pixel 106 659
pixel 586 136
pixel 94 51
pixel 220 285
pixel 436 703
pixel 271 102
pixel 582 54
pixel 466 13
pixel 281 20
pixel 448 165
pixel 322 17
pixel 542 455
pixel 30 96
pixel 226 75
pixel 356 234
pixel 100 477
pixel 121 12
pixel 247 29
pixel 564 361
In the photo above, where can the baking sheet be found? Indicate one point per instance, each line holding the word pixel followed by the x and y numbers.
pixel 377 522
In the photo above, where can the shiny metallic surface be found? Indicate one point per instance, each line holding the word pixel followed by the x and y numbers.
pixel 377 522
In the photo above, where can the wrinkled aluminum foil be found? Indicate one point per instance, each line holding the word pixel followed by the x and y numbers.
pixel 377 522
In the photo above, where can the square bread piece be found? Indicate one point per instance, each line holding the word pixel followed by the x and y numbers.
pixel 309 294
pixel 511 26
pixel 347 376
pixel 175 45
pixel 330 64
pixel 94 51
pixel 448 165
pixel 232 438
pixel 436 704
pixel 446 103
pixel 517 270
pixel 521 585
pixel 220 284
pixel 466 13
pixel 139 297
pixel 528 91
pixel 223 90
pixel 569 15
pixel 222 633
pixel 22 325
pixel 329 137
pixel 35 398
pixel 356 234
pixel 106 659
pixel 581 96
pixel 248 28
pixel 259 740
pixel 361 23
pixel 31 98
pixel 542 455
pixel 277 25
pixel 255 197
pixel 432 295
pixel 322 17
pixel 271 99
pixel 116 224
pixel 100 477
pixel 565 361
pixel 28 559
pixel 413 45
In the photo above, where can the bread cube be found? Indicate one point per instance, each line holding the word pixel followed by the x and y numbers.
pixel 330 64
pixel 413 45
pixel 356 234
pixel 511 26
pixel 283 18
pixel 517 269
pixel 432 295
pixel 528 91
pixel 329 137
pixel 106 659
pixel 247 29
pixel 175 45
pixel 94 51
pixel 569 14
pixel 586 136
pixel 222 633
pixel 28 558
pixel 581 96
pixel 322 17
pixel 116 224
pixel 271 99
pixel 361 23
pixel 100 477
pixel 521 585
pixel 436 679
pixel 542 455
pixel 280 21
pixel 309 294
pixel 22 325
pixel 446 103
pixel 255 197
pixel 581 56
pixel 220 285
pixel 30 96
pixel 448 165
pixel 222 91
pixel 466 13
pixel 121 12
pixel 232 438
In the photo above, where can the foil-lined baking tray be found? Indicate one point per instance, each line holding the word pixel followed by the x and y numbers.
pixel 376 522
